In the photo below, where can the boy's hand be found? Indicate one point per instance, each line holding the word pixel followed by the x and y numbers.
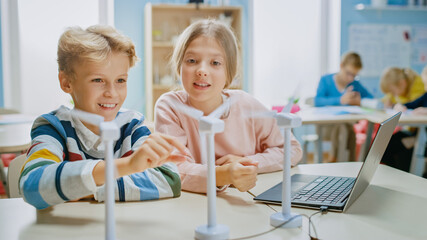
pixel 156 151
pixel 230 158
pixel 350 97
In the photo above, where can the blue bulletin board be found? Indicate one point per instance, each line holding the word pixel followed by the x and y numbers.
pixel 381 46
pixel 384 29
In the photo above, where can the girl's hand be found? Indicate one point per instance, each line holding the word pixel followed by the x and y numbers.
pixel 388 103
pixel 400 107
pixel 230 158
pixel 155 151
pixel 420 111
pixel 242 177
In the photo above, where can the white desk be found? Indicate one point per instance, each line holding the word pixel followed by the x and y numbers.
pixel 164 219
pixel 392 207
pixel 420 121
pixel 15 131
pixel 319 118
pixel 312 116
pixel 15 136
pixel 380 213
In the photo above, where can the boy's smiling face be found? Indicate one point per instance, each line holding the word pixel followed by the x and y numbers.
pixel 98 87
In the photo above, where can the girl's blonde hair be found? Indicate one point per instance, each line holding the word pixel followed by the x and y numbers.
pixel 95 44
pixel 393 75
pixel 424 75
pixel 352 59
pixel 216 30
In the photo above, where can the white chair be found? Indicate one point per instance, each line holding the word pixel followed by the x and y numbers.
pixel 13 174
pixel 309 138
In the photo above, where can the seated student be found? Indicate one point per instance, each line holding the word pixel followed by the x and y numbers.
pixel 342 89
pixel 419 105
pixel 400 85
pixel 401 146
pixel 206 59
pixel 65 160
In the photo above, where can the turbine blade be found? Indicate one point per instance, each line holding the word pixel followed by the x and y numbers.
pixel 122 118
pixel 217 113
pixel 266 114
pixel 190 111
pixel 87 117
pixel 288 107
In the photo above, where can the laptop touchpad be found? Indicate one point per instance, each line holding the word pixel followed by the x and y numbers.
pixel 298 181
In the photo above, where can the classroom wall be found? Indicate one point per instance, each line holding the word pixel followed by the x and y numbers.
pixel 129 19
pixel 351 16
pixel 32 86
pixel 1 67
pixel 286 49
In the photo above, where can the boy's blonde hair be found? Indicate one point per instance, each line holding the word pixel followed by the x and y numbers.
pixel 393 75
pixel 214 29
pixel 95 44
pixel 352 59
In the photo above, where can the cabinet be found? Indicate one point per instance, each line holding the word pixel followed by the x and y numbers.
pixel 163 24
pixel 364 7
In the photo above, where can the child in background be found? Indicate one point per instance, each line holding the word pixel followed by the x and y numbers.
pixel 65 160
pixel 401 85
pixel 401 146
pixel 419 105
pixel 342 89
pixel 206 58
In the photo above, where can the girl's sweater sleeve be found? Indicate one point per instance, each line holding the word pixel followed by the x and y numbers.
pixel 193 175
pixel 269 141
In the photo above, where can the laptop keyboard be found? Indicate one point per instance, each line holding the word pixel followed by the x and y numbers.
pixel 325 190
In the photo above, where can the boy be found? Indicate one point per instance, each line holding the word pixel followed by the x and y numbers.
pixel 63 162
pixel 337 89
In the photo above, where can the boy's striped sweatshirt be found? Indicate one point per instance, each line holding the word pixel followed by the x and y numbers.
pixel 64 152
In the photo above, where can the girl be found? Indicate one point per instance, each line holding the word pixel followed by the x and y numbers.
pixel 401 85
pixel 206 59
pixel 401 146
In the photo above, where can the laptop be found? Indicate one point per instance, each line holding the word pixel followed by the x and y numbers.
pixel 335 193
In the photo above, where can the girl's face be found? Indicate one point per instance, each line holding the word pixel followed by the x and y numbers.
pixel 203 72
pixel 400 88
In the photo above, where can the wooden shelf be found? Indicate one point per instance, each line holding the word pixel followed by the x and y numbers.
pixel 365 7
pixel 193 6
pixel 162 44
pixel 163 87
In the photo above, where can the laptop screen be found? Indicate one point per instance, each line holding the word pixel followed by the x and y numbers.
pixel 376 151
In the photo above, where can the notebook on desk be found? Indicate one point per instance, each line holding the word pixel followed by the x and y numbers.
pixel 336 193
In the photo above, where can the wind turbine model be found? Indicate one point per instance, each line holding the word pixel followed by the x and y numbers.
pixel 286 121
pixel 109 133
pixel 208 126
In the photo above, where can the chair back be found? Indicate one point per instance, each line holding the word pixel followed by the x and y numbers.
pixel 13 174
